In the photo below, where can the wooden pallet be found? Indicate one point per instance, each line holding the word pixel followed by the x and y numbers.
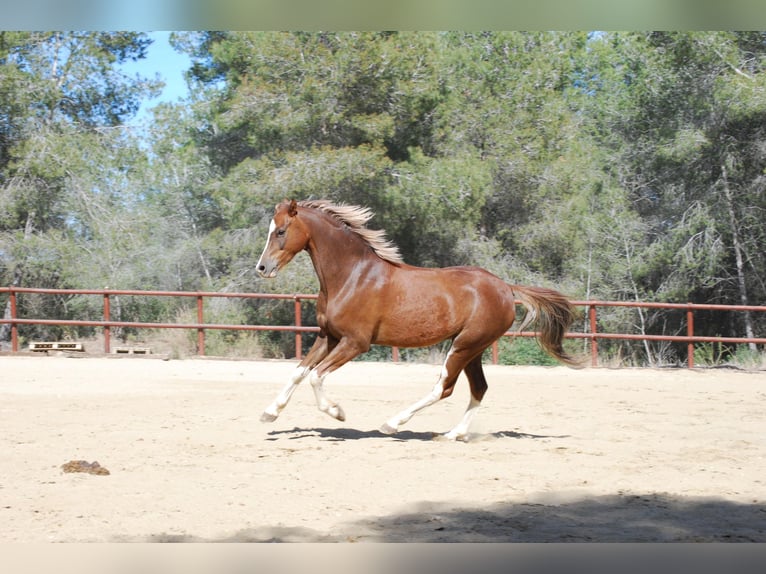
pixel 56 346
pixel 132 351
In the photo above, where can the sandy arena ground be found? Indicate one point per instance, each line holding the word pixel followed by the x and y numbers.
pixel 556 455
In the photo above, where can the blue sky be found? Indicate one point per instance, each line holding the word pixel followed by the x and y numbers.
pixel 164 62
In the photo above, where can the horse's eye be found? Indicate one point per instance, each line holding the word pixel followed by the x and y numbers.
pixel 280 232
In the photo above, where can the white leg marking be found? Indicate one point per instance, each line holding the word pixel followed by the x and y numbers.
pixel 460 432
pixel 272 411
pixel 323 403
pixel 392 424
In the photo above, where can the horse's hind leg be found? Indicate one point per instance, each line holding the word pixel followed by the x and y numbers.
pixel 319 351
pixel 478 382
pixel 452 366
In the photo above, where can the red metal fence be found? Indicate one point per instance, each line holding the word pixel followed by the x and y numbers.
pixel 298 328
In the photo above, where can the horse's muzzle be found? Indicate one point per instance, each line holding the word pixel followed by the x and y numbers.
pixel 267 271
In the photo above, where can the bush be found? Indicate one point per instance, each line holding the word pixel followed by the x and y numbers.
pixel 522 351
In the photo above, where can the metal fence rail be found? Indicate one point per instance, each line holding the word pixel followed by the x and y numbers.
pixel 297 327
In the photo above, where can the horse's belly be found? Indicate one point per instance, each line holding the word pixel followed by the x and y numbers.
pixel 418 326
pixel 407 337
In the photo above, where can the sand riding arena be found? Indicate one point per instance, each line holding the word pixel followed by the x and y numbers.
pixel 555 454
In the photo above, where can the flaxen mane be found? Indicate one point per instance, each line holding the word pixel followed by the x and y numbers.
pixel 355 218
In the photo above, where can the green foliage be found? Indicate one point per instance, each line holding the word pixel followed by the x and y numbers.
pixel 522 351
pixel 747 358
pixel 711 354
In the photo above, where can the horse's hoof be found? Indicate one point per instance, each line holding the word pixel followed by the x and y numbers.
pixel 268 417
pixel 452 437
pixel 337 413
pixel 386 428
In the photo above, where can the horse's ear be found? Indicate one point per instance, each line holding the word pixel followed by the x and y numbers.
pixel 292 211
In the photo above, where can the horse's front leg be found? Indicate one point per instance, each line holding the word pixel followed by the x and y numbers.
pixel 324 404
pixel 318 352
pixel 271 412
pixel 345 351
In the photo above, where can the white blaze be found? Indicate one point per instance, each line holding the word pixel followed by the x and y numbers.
pixel 272 228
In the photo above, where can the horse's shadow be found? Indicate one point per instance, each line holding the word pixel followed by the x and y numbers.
pixel 344 434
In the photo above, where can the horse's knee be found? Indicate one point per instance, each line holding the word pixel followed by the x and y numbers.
pixel 315 378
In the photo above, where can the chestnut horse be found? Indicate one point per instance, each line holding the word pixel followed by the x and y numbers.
pixel 368 295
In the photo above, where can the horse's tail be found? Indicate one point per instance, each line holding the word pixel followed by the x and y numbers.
pixel 554 315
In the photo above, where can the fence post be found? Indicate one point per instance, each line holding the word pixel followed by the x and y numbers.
pixel 690 333
pixel 298 323
pixel 107 329
pixel 495 352
pixel 14 326
pixel 200 321
pixel 593 339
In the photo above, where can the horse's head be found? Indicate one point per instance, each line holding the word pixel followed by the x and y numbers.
pixel 287 236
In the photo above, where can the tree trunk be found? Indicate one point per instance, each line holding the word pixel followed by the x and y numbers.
pixel 737 244
pixel 647 347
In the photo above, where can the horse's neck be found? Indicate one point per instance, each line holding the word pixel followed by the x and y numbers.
pixel 336 253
